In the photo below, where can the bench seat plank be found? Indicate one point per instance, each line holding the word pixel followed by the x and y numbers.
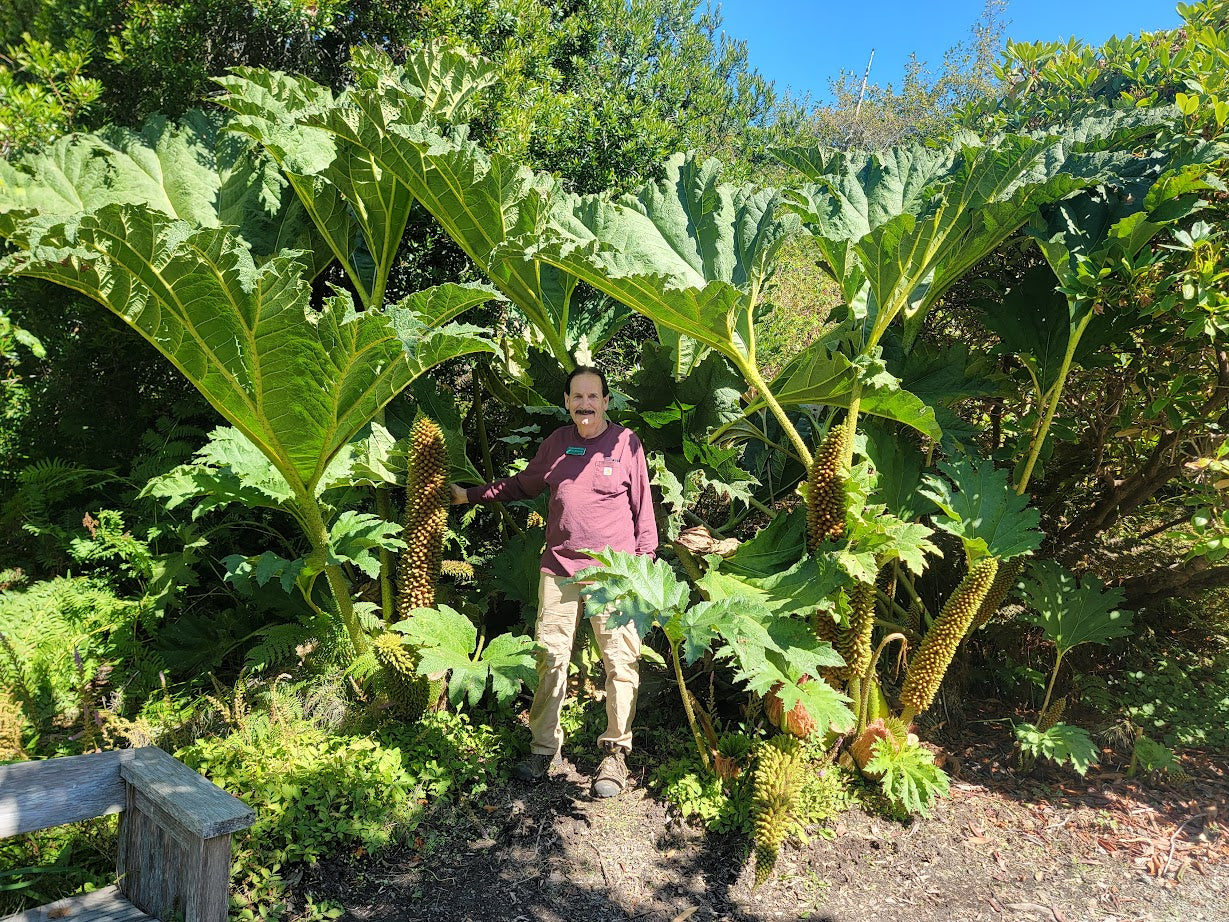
pixel 106 905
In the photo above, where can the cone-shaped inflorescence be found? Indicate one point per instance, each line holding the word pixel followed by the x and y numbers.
pixel 913 617
pixel 1004 580
pixel 826 628
pixel 426 518
pixel 854 644
pixel 409 694
pixel 927 668
pixel 827 497
pixel 779 775
pixel 1053 714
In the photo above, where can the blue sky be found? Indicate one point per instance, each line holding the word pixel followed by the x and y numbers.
pixel 800 44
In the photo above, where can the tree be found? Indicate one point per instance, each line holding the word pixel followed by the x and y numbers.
pixel 1143 457
pixel 868 115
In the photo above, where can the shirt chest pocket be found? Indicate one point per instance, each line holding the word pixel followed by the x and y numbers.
pixel 607 476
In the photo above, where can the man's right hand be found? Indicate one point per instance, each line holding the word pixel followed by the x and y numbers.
pixel 459 495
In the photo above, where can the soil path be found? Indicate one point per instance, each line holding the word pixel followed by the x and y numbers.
pixel 1100 850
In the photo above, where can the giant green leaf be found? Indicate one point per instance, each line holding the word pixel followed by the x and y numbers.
pixel 809 584
pixel 634 589
pixel 898 463
pixel 915 219
pixel 297 382
pixel 708 397
pixel 226 469
pixel 390 148
pixel 980 508
pixel 780 664
pixel 1084 235
pixel 688 252
pixel 445 641
pixel 776 547
pixel 330 149
pixel 736 620
pixel 190 170
pixel 1072 611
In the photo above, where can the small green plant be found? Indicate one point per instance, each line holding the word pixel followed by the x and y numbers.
pixel 701 796
pixel 909 777
pixel 1180 699
pixel 1062 743
pixel 1151 757
pixel 316 792
pixel 1071 611
pixel 447 641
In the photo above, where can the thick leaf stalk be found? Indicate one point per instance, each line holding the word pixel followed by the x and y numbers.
pixel 314 527
pixel 827 492
pixel 409 694
pixel 756 380
pixel 701 746
pixel 778 779
pixel 869 685
pixel 927 669
pixel 426 518
pixel 1053 397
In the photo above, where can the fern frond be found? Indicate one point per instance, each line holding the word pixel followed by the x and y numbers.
pixel 280 644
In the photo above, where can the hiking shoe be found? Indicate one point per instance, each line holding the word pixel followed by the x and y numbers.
pixel 611 777
pixel 535 767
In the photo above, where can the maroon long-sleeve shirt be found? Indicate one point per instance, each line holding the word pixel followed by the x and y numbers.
pixel 599 496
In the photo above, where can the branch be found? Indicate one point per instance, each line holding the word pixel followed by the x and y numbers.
pixel 1162 464
pixel 1183 580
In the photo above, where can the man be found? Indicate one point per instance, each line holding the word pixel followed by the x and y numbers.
pixel 599 498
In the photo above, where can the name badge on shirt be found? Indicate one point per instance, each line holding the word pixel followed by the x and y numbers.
pixel 574 450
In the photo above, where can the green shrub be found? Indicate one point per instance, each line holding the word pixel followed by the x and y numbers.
pixel 1181 700
pixel 726 806
pixel 699 794
pixel 54 637
pixel 316 793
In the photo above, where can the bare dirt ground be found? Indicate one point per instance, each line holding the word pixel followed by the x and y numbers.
pixel 1049 847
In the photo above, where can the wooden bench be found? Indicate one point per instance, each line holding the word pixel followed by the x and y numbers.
pixel 174 832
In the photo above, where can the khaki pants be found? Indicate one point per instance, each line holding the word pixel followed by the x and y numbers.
pixel 560 608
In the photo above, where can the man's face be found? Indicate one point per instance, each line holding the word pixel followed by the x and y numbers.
pixel 586 405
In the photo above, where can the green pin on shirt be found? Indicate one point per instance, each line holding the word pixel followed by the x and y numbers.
pixel 574 450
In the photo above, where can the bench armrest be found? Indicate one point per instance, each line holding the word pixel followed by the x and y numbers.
pixel 195 806
pixel 174 839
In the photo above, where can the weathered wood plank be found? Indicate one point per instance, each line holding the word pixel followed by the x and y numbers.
pixel 106 905
pixel 197 805
pixel 168 876
pixel 55 792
